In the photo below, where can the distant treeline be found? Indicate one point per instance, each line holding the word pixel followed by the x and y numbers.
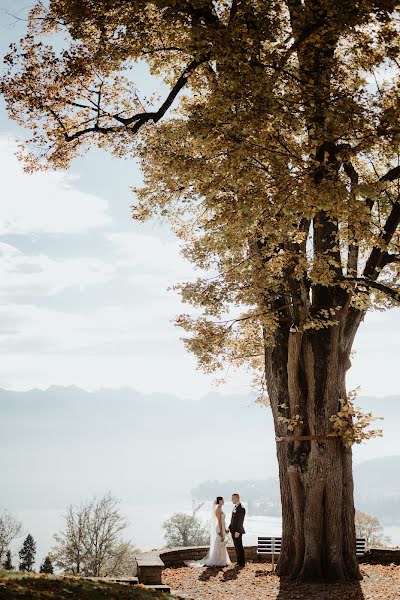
pixel 386 508
pixel 376 491
pixel 261 496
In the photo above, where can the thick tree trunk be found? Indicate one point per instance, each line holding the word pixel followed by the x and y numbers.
pixel 305 372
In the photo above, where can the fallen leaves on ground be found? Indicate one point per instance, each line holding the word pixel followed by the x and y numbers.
pixel 257 582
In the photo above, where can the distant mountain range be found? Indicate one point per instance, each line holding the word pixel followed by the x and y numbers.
pixel 64 444
pixel 377 488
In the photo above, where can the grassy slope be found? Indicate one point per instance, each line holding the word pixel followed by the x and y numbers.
pixel 20 585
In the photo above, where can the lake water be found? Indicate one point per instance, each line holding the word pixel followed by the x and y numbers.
pixel 145 529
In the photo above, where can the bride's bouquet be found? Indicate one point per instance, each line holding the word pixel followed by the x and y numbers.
pixel 224 541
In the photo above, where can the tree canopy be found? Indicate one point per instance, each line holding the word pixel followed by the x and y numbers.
pixel 369 527
pixel 10 528
pixel 91 542
pixel 182 529
pixel 46 566
pixel 274 154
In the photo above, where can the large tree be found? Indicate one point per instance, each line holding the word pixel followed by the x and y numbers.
pixel 275 154
pixel 90 543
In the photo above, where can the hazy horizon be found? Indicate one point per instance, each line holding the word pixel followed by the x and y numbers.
pixel 65 445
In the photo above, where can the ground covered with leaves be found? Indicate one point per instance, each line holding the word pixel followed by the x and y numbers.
pixel 19 585
pixel 256 582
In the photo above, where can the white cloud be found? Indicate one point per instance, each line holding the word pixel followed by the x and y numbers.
pixel 110 347
pixel 114 329
pixel 119 333
pixel 126 337
pixel 149 254
pixel 41 275
pixel 46 202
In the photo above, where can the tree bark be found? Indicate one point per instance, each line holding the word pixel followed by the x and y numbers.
pixel 306 372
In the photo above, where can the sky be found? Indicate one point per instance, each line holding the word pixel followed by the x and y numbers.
pixel 84 297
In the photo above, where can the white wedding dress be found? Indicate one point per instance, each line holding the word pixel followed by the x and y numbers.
pixel 218 554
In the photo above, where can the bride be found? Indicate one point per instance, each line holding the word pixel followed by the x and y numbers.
pixel 218 555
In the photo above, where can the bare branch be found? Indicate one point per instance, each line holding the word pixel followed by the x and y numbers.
pixel 134 123
pixel 142 118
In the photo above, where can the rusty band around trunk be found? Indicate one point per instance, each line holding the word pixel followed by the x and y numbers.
pixel 305 438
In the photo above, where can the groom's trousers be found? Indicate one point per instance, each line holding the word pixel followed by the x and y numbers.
pixel 238 542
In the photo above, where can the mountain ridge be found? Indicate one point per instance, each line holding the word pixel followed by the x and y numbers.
pixel 145 447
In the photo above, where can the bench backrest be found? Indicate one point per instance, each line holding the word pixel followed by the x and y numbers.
pixel 361 546
pixel 269 545
pixel 272 545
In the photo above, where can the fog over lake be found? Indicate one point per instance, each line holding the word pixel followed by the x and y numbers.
pixel 66 445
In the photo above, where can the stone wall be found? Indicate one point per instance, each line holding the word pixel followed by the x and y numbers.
pixel 382 556
pixel 176 557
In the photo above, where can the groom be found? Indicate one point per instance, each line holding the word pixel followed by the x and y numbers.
pixel 237 530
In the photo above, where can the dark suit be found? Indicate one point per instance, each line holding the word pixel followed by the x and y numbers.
pixel 236 526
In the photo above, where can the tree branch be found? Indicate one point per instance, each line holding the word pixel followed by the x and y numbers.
pixel 233 11
pixel 135 122
pixel 389 258
pixel 370 283
pixel 94 129
pixel 353 252
pixel 205 12
pixel 163 49
pixel 375 261
pixel 391 175
pixel 79 105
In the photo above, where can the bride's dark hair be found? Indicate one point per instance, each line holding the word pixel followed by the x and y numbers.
pixel 219 498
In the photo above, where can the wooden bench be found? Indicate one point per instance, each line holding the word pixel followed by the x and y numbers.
pixel 271 546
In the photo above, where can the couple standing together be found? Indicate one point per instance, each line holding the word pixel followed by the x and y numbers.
pixel 218 555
